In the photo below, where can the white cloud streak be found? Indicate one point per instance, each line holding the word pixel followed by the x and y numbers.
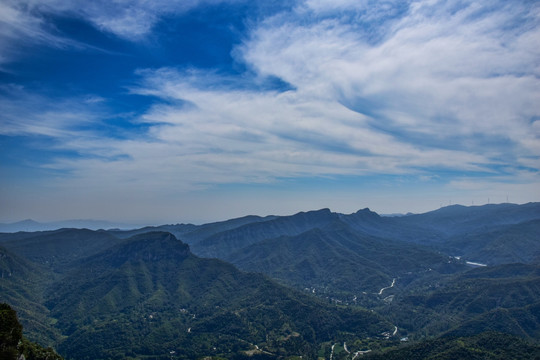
pixel 24 23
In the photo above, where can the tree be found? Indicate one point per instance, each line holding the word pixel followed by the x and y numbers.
pixel 12 342
pixel 10 333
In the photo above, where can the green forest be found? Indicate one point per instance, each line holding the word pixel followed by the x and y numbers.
pixel 315 285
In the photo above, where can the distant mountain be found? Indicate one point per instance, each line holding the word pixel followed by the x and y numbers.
pixel 25 225
pixel 30 225
pixel 459 220
pixel 149 296
pixel 369 222
pixel 57 249
pixel 226 242
pixel 190 233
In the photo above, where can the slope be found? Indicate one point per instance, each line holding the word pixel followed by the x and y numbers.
pixel 498 298
pixel 339 261
pixel 13 345
pixel 22 284
pixel 369 222
pixel 485 346
pixel 506 244
pixel 224 243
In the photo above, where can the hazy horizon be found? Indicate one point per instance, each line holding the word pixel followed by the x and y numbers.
pixel 96 223
pixel 205 110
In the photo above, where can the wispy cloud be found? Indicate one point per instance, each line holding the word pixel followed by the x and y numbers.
pixel 435 90
pixel 440 71
pixel 25 23
pixel 28 113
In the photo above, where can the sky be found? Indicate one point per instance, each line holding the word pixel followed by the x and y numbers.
pixel 167 111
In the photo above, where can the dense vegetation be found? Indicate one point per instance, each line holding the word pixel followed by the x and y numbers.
pixel 13 344
pixel 484 346
pixel 142 294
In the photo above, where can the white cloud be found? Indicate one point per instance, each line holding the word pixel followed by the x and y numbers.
pixel 19 27
pixel 26 22
pixel 439 71
pixel 438 88
pixel 28 113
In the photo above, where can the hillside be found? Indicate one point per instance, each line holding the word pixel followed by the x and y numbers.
pixel 224 243
pixel 59 248
pixel 485 346
pixel 338 261
pixel 149 295
pixel 22 284
pixel 13 345
pixel 462 304
pixel 503 245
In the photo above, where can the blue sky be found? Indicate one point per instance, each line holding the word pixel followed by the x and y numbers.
pixel 200 110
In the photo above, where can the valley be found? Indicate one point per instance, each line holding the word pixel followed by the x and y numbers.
pixel 316 284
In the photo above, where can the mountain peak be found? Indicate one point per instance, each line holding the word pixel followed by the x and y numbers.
pixel 367 212
pixel 323 211
pixel 149 247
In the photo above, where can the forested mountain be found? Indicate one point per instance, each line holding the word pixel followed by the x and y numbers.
pixel 226 242
pixel 22 284
pixel 458 219
pixel 148 296
pixel 505 244
pixel 59 248
pixel 339 261
pixel 461 304
pixel 143 294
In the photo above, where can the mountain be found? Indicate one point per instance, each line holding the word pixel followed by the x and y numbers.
pixel 521 321
pixel 504 298
pixel 453 230
pixel 59 248
pixel 24 225
pixel 150 296
pixel 369 222
pixel 338 260
pixel 30 225
pixel 226 242
pixel 143 294
pixel 207 230
pixel 459 220
pixel 505 244
pixel 190 233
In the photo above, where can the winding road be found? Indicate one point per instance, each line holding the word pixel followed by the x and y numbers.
pixel 388 287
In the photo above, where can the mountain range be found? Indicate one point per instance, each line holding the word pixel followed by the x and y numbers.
pixel 316 284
